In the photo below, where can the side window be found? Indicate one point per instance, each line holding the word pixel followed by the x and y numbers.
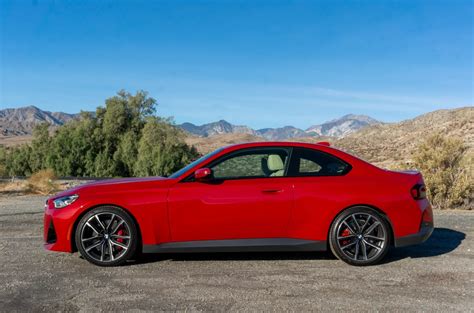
pixel 309 166
pixel 309 162
pixel 254 163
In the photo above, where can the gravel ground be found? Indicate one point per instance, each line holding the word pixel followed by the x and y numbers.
pixel 435 276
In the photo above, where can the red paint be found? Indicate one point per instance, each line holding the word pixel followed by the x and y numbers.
pixel 202 174
pixel 170 209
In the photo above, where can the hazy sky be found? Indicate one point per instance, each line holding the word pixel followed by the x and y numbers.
pixel 260 63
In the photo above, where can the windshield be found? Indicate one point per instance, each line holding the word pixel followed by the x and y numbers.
pixel 194 163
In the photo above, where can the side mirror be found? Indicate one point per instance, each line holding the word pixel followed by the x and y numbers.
pixel 202 174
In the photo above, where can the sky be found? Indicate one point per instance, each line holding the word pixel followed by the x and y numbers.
pixel 257 63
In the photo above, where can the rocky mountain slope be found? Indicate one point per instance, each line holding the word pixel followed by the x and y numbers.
pixel 216 128
pixel 281 133
pixel 343 126
pixel 390 144
pixel 22 121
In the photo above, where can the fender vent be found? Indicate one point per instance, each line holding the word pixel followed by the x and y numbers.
pixel 51 238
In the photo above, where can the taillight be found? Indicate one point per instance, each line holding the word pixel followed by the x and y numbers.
pixel 418 192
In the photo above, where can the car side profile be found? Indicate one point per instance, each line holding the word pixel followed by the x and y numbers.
pixel 270 196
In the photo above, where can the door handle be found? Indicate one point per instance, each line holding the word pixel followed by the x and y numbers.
pixel 272 190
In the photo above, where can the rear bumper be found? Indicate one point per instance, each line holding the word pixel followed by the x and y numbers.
pixel 425 232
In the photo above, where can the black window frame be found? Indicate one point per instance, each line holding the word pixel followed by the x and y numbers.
pixel 244 151
pixel 293 170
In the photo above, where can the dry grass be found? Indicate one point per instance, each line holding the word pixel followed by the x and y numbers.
pixel 13 187
pixel 23 187
pixel 42 182
pixel 11 141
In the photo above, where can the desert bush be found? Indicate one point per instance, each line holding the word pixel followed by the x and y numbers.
pixel 447 172
pixel 42 182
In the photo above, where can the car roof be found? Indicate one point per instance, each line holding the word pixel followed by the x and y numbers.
pixel 277 144
pixel 273 143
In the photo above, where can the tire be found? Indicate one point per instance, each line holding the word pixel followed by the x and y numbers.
pixel 107 236
pixel 360 236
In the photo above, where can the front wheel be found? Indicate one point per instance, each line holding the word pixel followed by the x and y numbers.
pixel 106 236
pixel 360 236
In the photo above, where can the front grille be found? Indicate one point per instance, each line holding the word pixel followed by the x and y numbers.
pixel 51 237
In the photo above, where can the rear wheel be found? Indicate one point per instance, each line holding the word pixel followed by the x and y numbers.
pixel 106 236
pixel 360 236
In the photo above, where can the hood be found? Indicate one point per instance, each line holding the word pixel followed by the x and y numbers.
pixel 115 181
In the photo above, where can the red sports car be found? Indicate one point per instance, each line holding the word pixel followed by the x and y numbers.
pixel 269 196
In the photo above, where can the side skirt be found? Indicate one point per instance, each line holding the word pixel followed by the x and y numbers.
pixel 237 245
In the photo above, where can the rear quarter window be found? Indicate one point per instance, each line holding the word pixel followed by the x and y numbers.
pixel 310 162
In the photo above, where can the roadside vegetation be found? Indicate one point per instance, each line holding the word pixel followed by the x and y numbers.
pixel 124 138
pixel 447 168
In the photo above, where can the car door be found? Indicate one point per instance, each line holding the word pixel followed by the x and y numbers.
pixel 249 196
pixel 320 187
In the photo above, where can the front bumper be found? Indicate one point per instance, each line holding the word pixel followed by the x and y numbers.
pixel 57 228
pixel 425 232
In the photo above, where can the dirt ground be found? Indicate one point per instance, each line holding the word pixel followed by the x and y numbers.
pixel 435 276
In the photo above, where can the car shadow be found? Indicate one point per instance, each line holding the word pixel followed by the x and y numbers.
pixel 442 241
pixel 231 256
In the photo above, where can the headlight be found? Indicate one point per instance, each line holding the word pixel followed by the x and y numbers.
pixel 64 201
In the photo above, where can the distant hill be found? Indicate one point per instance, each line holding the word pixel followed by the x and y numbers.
pixel 389 144
pixel 343 126
pixel 22 121
pixel 281 133
pixel 336 128
pixel 216 128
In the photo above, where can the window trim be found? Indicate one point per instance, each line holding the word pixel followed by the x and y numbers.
pixel 295 173
pixel 231 154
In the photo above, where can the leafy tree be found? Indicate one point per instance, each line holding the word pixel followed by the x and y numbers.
pixel 3 161
pixel 161 150
pixel 40 146
pixel 18 161
pixel 124 138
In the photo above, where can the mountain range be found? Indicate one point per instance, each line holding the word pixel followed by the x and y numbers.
pixel 386 145
pixel 21 121
pixel 338 128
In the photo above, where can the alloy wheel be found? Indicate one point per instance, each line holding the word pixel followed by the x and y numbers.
pixel 105 237
pixel 361 236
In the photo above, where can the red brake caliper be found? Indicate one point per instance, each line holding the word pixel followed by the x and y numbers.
pixel 120 233
pixel 346 232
